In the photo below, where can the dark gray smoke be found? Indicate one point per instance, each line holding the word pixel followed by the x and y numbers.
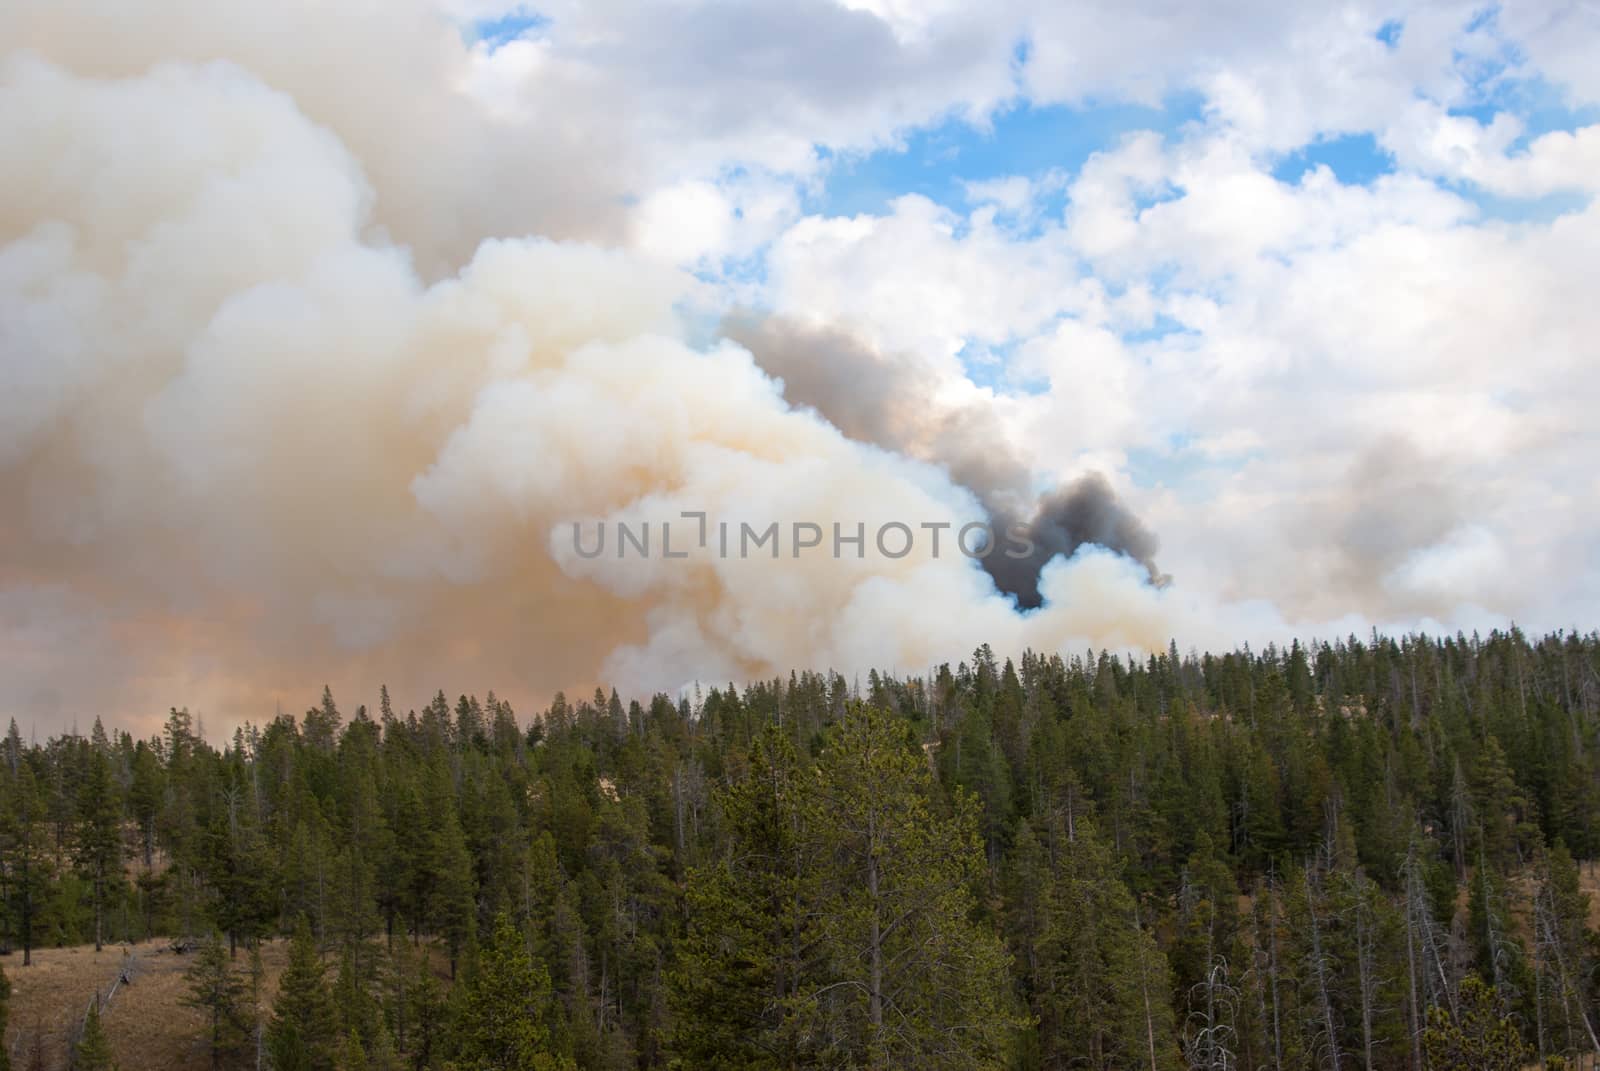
pixel 1084 511
pixel 883 399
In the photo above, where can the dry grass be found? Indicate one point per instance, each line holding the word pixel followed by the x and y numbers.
pixel 145 1021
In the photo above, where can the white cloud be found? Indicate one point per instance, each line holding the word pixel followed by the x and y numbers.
pixel 258 262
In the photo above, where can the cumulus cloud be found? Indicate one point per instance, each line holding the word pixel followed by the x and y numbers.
pixel 320 326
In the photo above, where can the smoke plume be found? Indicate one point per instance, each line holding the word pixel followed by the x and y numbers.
pixel 279 408
pixel 884 399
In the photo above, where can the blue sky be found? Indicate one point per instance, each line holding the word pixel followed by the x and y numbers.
pixel 1021 140
pixel 504 27
pixel 1354 159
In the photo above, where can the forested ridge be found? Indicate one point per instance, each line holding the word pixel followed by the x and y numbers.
pixel 1363 854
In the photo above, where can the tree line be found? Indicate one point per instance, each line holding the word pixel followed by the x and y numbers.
pixel 1367 853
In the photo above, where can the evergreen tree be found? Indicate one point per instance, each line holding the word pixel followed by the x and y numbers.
pixel 381 1054
pixel 304 1033
pixel 1566 962
pixel 24 846
pixel 1481 1036
pixel 739 966
pixel 93 1051
pixel 218 992
pixel 352 1054
pixel 1102 987
pixel 909 979
pixel 99 836
pixel 454 908
pixel 242 874
pixel 145 797
pixel 503 1008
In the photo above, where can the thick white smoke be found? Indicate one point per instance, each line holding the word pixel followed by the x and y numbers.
pixel 258 429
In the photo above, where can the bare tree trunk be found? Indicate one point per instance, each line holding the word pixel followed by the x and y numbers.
pixel 1411 972
pixel 1489 934
pixel 1319 967
pixel 1261 990
pixel 1272 961
pixel 1365 975
pixel 875 938
pixel 1144 990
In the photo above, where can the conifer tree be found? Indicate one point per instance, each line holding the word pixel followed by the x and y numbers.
pixel 24 846
pixel 739 970
pixel 454 909
pixel 503 1009
pixel 358 1012
pixel 304 1034
pixel 381 1054
pixel 1565 957
pixel 909 979
pixel 352 1054
pixel 98 850
pixel 1101 994
pixel 93 1051
pixel 217 991
pixel 430 1030
pixel 1481 1037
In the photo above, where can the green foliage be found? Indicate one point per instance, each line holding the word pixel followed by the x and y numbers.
pixel 841 930
pixel 352 1054
pixel 502 1008
pixel 98 850
pixel 25 849
pixel 1034 862
pixel 1481 1036
pixel 304 1033
pixel 218 992
pixel 93 1051
pixel 737 965
pixel 1101 987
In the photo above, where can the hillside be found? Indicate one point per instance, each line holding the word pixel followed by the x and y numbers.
pixel 145 1019
pixel 1375 853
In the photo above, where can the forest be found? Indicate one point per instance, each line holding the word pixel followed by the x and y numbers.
pixel 1372 853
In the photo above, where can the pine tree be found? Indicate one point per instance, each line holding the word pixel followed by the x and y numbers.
pixel 352 1054
pixel 1481 1037
pixel 910 981
pixel 99 835
pixel 503 1008
pixel 1500 957
pixel 429 1012
pixel 93 1051
pixel 1102 989
pixel 219 992
pixel 25 850
pixel 381 1054
pixel 145 797
pixel 454 908
pixel 304 1033
pixel 1565 957
pixel 738 967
